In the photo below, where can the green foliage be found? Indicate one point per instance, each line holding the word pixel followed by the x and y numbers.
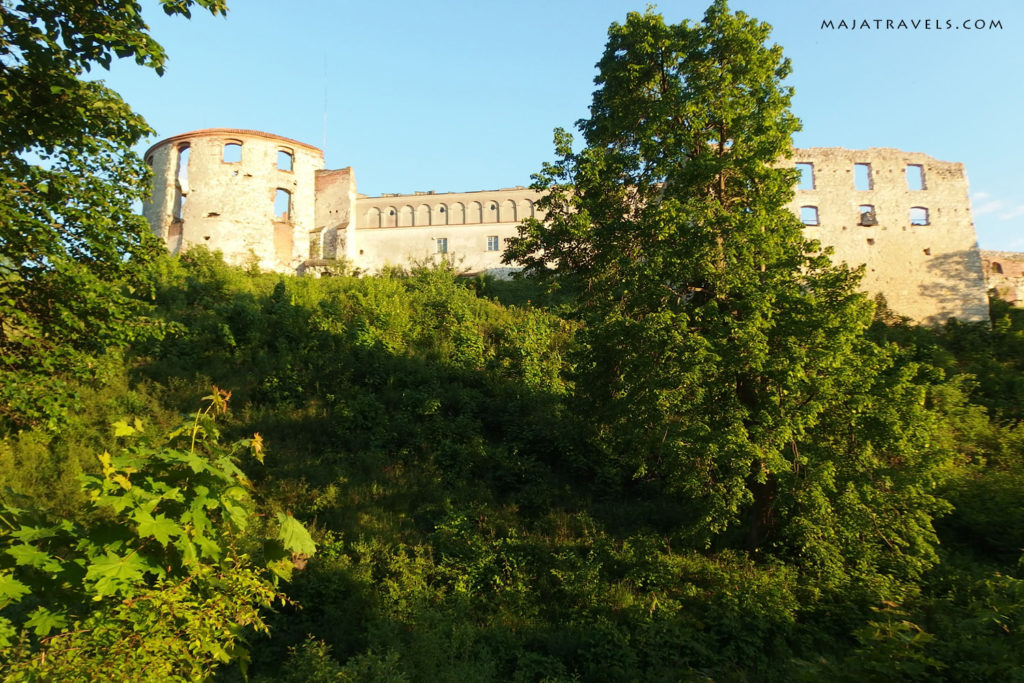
pixel 156 579
pixel 723 357
pixel 71 243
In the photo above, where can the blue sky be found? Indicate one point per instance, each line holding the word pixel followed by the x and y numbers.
pixel 463 95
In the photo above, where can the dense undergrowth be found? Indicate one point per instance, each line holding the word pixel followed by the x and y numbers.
pixel 468 528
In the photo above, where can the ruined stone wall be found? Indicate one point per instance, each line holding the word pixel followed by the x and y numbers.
pixel 907 217
pixel 335 227
pixel 904 215
pixel 467 228
pixel 245 193
pixel 1004 271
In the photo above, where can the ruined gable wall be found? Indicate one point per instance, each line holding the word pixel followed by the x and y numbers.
pixel 926 272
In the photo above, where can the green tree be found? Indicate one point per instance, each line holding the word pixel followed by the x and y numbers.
pixel 70 241
pixel 723 354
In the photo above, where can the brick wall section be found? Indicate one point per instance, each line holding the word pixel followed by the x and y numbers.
pixel 1004 271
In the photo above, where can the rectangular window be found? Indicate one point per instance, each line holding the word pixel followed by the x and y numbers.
pixel 867 215
pixel 806 181
pixel 492 243
pixel 862 176
pixel 442 245
pixel 915 177
pixel 918 215
pixel 809 215
pixel 282 205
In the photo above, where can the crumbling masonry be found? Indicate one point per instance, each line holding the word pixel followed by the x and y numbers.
pixel 253 195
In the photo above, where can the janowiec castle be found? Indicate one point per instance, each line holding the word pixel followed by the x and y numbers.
pixel 250 194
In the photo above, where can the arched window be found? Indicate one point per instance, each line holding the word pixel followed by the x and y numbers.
pixel 405 216
pixel 456 214
pixel 372 217
pixel 439 216
pixel 285 160
pixel 232 153
pixel 181 172
pixel 996 268
pixel 809 215
pixel 389 216
pixel 282 205
pixel 508 211
pixel 918 215
pixel 422 215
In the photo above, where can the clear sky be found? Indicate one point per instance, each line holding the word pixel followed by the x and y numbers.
pixel 460 95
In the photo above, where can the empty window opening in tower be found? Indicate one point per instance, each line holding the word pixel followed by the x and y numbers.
pixel 232 153
pixel 809 215
pixel 180 183
pixel 867 215
pixel 996 268
pixel 918 215
pixel 862 177
pixel 915 177
pixel 181 173
pixel 284 160
pixel 282 205
pixel 806 181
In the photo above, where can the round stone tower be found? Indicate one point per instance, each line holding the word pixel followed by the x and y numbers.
pixel 248 194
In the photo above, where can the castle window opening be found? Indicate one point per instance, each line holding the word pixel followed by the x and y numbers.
pixel 862 177
pixel 915 177
pixel 284 160
pixel 492 243
pixel 867 215
pixel 996 268
pixel 918 215
pixel 282 205
pixel 441 245
pixel 232 153
pixel 806 181
pixel 181 173
pixel 180 183
pixel 809 215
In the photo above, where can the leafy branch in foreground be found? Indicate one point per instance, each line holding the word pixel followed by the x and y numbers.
pixel 159 582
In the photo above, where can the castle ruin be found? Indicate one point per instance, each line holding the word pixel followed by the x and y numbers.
pixel 256 196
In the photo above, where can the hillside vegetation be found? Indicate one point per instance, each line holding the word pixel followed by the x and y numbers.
pixel 683 446
pixel 468 527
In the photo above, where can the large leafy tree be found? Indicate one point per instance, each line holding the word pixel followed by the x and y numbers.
pixel 724 354
pixel 70 240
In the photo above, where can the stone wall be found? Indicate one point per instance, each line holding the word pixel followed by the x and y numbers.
pixel 245 193
pixel 903 215
pixel 468 229
pixel 906 217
